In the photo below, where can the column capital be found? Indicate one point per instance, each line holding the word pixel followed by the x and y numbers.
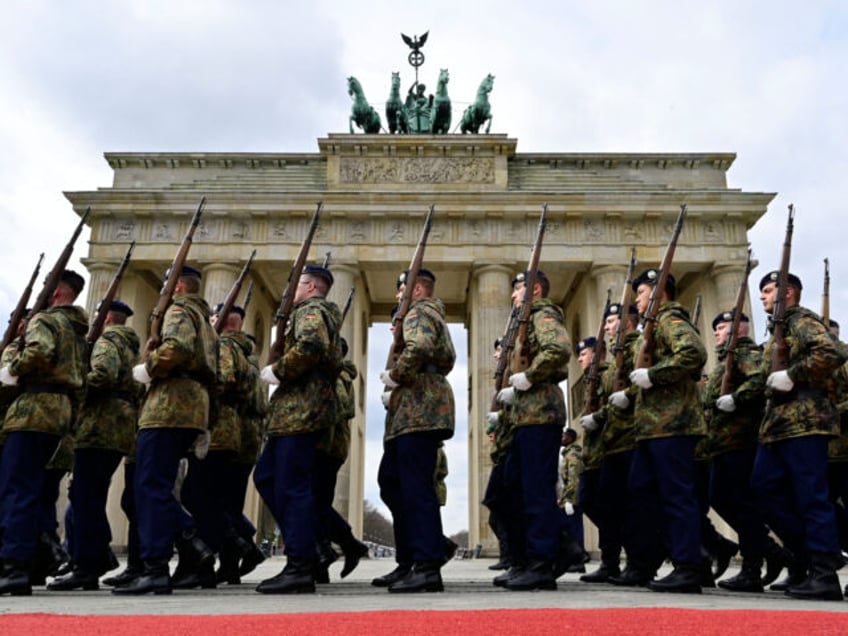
pixel 493 268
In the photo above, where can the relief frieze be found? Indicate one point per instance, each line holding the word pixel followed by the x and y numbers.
pixel 417 170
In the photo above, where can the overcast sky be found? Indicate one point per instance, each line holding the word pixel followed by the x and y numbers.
pixel 763 79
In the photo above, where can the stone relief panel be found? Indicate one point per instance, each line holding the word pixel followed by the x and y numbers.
pixel 713 232
pixel 417 170
pixel 124 230
pixel 162 231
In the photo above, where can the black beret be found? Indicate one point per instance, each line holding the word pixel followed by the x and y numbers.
pixel 121 307
pixel 650 277
pixel 235 309
pixel 320 272
pixel 187 271
pixel 73 280
pixel 614 309
pixel 422 273
pixel 586 343
pixel 833 323
pixel 498 343
pixel 772 277
pixel 727 316
pixel 569 432
pixel 520 278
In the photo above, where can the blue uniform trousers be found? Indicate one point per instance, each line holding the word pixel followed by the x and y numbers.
pixel 406 479
pixel 235 491
pixel 93 469
pixel 612 490
pixel 711 539
pixel 283 477
pixel 128 506
pixel 733 500
pixel 790 482
pixel 160 516
pixel 837 482
pixel 662 480
pixel 530 475
pixel 495 500
pixel 22 473
pixel 204 495
pixel 331 525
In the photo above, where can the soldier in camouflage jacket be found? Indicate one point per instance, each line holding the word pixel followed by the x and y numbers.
pixel 50 369
pixel 790 472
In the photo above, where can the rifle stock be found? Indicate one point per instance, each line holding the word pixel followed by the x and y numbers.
pixel 645 357
pixel 19 312
pixel 620 379
pixel 520 358
pixel 593 376
pixel 230 300
pixel 286 303
pixel 780 353
pixel 825 312
pixel 406 296
pixel 103 306
pixel 507 344
pixel 248 297
pixel 348 303
pixel 157 316
pixel 732 338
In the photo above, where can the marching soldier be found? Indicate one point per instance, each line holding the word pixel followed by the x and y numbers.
pixel 570 469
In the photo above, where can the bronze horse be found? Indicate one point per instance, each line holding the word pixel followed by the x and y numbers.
pixel 441 106
pixel 479 111
pixel 361 113
pixel 395 113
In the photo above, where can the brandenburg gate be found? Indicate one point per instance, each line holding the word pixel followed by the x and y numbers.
pixel 376 190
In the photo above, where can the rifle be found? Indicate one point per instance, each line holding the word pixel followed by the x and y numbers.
pixel 780 354
pixel 19 312
pixel 103 306
pixel 326 260
pixel 281 318
pixel 732 338
pixel 348 303
pixel 696 312
pixel 593 375
pixel 620 381
pixel 157 316
pixel 507 344
pixel 825 312
pixel 521 353
pixel 230 300
pixel 409 286
pixel 248 296
pixel 645 357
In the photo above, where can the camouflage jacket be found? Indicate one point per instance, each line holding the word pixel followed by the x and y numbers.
pixel 593 441
pixel 837 449
pixel 504 432
pixel 51 370
pixel 672 406
pixel 570 468
pixel 440 475
pixel 736 430
pixel 423 401
pixel 549 351
pixel 619 429
pixel 253 417
pixel 336 440
pixel 109 415
pixel 8 394
pixel 183 368
pixel 234 390
pixel 305 399
pixel 813 357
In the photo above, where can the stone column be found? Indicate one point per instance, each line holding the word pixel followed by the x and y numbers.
pixel 489 309
pixel 726 279
pixel 218 279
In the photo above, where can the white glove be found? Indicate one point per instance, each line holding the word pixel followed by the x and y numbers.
pixel 619 400
pixel 268 376
pixel 780 381
pixel 493 418
pixel 726 403
pixel 385 398
pixel 640 378
pixel 141 375
pixel 588 422
pixel 520 381
pixel 569 508
pixel 7 378
pixel 201 444
pixel 386 379
pixel 507 395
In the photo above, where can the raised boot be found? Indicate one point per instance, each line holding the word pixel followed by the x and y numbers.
pixel 250 554
pixel 296 578
pixel 397 574
pixel 15 579
pixel 796 573
pixel 725 550
pixel 228 563
pixel 326 557
pixel 153 579
pixel 425 576
pixel 775 559
pixel 685 578
pixel 748 579
pixel 195 560
pixel 570 554
pixel 353 551
pixel 603 574
pixel 537 575
pixel 77 579
pixel 822 583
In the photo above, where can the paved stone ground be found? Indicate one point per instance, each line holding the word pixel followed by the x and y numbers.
pixel 467 586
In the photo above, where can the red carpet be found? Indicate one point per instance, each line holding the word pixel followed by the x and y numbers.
pixel 597 622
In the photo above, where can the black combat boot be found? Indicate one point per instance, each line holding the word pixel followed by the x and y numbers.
pixel 775 559
pixel 202 576
pixel 796 573
pixel 822 583
pixel 296 578
pixel 251 555
pixel 397 574
pixel 569 555
pixel 450 550
pixel 604 573
pixel 78 579
pixel 326 557
pixel 154 578
pixel 514 570
pixel 501 564
pixel 15 579
pixel 195 560
pixel 425 576
pixel 353 551
pixel 748 579
pixel 633 575
pixel 685 578
pixel 228 563
pixel 724 551
pixel 133 570
pixel 537 575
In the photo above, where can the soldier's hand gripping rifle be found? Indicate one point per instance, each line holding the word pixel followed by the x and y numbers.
pixel 283 314
pixel 103 306
pixel 157 316
pixel 409 285
pixel 230 300
pixel 520 358
pixel 825 312
pixel 780 351
pixel 19 312
pixel 645 357
pixel 732 339
pixel 593 373
pixel 620 380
